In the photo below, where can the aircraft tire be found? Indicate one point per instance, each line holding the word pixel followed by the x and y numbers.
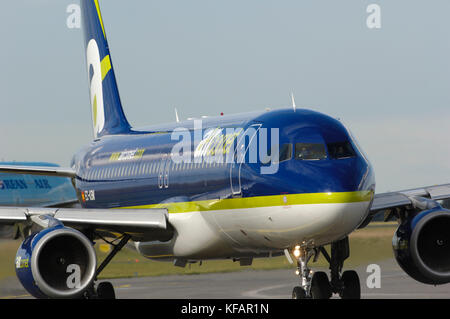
pixel 298 293
pixel 105 290
pixel 320 286
pixel 352 287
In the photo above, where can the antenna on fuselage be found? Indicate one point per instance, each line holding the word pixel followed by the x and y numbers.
pixel 176 116
pixel 293 101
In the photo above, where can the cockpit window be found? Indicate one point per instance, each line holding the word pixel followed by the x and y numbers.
pixel 285 152
pixel 341 150
pixel 310 151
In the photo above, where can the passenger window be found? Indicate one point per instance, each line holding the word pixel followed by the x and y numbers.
pixel 310 151
pixel 341 150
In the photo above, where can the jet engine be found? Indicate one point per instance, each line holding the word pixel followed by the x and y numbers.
pixel 422 246
pixel 57 262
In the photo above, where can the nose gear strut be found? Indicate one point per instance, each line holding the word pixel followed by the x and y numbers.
pixel 316 285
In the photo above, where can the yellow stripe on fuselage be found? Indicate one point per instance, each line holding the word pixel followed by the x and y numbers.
pixel 262 201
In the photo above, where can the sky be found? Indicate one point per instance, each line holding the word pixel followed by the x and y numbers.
pixel 390 85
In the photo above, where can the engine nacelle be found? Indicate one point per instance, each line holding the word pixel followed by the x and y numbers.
pixel 422 246
pixel 57 262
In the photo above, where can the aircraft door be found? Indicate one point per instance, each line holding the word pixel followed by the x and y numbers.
pixel 163 172
pixel 240 152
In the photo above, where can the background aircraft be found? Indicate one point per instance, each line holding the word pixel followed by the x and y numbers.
pixel 33 190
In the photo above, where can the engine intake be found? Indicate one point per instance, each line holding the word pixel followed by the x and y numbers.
pixel 58 262
pixel 422 246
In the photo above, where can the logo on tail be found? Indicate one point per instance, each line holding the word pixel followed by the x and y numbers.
pixel 107 112
pixel 96 88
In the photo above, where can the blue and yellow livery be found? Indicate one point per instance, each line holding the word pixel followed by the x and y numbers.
pixel 287 181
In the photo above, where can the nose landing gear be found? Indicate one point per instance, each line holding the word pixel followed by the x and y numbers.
pixel 316 285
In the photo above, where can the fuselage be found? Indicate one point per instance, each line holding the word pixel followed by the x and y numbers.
pixel 245 202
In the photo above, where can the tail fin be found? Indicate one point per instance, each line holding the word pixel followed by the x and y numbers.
pixel 107 112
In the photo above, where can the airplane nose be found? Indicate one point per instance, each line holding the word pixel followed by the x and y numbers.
pixel 343 175
pixel 347 175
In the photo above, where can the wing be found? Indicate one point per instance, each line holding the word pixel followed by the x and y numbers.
pixel 140 224
pixel 67 203
pixel 402 198
pixel 416 198
pixel 38 170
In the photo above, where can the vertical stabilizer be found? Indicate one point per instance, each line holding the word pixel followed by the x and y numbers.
pixel 107 112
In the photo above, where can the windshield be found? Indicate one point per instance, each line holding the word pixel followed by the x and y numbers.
pixel 310 151
pixel 341 150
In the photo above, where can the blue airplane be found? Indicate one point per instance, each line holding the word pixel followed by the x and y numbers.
pixel 35 190
pixel 288 181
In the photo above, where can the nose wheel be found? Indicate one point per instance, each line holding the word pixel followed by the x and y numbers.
pixel 320 286
pixel 352 288
pixel 317 285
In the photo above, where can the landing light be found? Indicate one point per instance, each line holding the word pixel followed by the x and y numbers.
pixel 297 251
